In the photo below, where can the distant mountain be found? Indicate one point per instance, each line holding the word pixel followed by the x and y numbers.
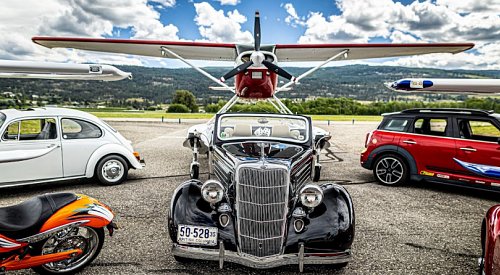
pixel 361 82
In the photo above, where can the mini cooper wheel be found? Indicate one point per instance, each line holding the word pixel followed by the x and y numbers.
pixel 390 170
pixel 112 170
pixel 88 239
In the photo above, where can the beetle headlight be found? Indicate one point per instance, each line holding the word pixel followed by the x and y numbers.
pixel 311 195
pixel 212 191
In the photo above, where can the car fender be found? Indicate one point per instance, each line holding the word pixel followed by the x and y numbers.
pixel 492 241
pixel 393 149
pixel 329 227
pixel 110 149
pixel 189 208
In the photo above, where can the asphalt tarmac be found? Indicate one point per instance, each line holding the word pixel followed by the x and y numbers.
pixel 420 228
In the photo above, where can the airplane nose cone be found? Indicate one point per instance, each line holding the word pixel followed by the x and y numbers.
pixel 257 58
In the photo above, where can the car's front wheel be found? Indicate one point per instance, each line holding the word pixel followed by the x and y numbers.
pixel 390 170
pixel 112 170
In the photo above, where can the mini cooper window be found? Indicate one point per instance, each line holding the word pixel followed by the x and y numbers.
pixel 431 126
pixel 79 129
pixel 478 130
pixel 263 127
pixel 396 124
pixel 31 129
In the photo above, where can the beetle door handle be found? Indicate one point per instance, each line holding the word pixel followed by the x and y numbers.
pixel 469 149
pixel 410 141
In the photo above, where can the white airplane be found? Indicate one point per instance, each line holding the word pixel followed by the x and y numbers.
pixel 61 71
pixel 256 68
pixel 446 85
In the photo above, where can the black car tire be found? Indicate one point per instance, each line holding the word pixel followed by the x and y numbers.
pixel 195 172
pixel 391 170
pixel 317 173
pixel 112 160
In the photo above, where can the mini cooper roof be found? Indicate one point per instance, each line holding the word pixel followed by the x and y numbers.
pixel 450 111
pixel 48 111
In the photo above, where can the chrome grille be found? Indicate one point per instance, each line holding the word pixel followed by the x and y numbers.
pixel 261 205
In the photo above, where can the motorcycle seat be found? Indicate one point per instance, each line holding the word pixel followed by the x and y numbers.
pixel 27 218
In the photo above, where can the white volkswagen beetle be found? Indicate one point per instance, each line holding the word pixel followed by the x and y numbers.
pixel 52 144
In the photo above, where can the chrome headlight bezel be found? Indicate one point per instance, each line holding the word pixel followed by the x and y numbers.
pixel 311 195
pixel 212 191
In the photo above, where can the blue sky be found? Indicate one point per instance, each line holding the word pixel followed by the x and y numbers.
pixel 283 22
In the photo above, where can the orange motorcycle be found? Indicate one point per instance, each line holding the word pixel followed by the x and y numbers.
pixel 57 233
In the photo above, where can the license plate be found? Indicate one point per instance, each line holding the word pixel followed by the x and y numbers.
pixel 192 234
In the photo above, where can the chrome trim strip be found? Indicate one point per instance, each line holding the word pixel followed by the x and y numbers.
pixel 50 232
pixel 261 262
pixel 23 183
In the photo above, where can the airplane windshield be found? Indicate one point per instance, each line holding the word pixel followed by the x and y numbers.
pixel 2 119
pixel 295 129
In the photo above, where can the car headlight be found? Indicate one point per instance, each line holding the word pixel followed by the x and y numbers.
pixel 311 195
pixel 212 191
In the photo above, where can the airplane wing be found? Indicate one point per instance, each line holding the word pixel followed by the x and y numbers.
pixel 51 70
pixel 228 52
pixel 321 52
pixel 446 85
pixel 188 50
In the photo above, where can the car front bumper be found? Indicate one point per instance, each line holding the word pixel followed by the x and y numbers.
pixel 221 255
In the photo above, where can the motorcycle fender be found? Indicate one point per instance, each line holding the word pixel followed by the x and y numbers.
pixel 89 210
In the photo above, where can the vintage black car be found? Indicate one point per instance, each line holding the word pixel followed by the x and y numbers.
pixel 260 207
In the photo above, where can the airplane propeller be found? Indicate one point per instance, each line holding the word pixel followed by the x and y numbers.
pixel 257 58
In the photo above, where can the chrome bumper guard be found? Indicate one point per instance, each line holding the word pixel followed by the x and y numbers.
pixel 221 255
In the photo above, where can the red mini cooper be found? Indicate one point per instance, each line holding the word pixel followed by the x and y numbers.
pixel 457 146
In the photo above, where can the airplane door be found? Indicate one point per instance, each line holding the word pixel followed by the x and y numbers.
pixel 30 150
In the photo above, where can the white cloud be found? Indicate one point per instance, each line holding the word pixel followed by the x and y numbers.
pixel 229 2
pixel 216 27
pixel 293 18
pixel 427 21
pixel 165 3
pixel 77 18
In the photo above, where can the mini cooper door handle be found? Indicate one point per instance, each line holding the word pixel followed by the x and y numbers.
pixel 409 141
pixel 468 149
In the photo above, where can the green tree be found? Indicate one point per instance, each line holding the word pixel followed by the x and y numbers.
pixel 178 108
pixel 187 99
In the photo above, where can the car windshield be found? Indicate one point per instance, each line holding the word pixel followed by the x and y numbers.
pixel 291 128
pixel 2 119
pixel 497 116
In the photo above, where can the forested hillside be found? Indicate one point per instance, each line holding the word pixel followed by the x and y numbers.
pixel 151 86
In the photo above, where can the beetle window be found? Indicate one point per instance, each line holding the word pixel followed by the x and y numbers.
pixel 478 130
pixel 79 129
pixel 431 126
pixel 2 119
pixel 31 129
pixel 396 124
